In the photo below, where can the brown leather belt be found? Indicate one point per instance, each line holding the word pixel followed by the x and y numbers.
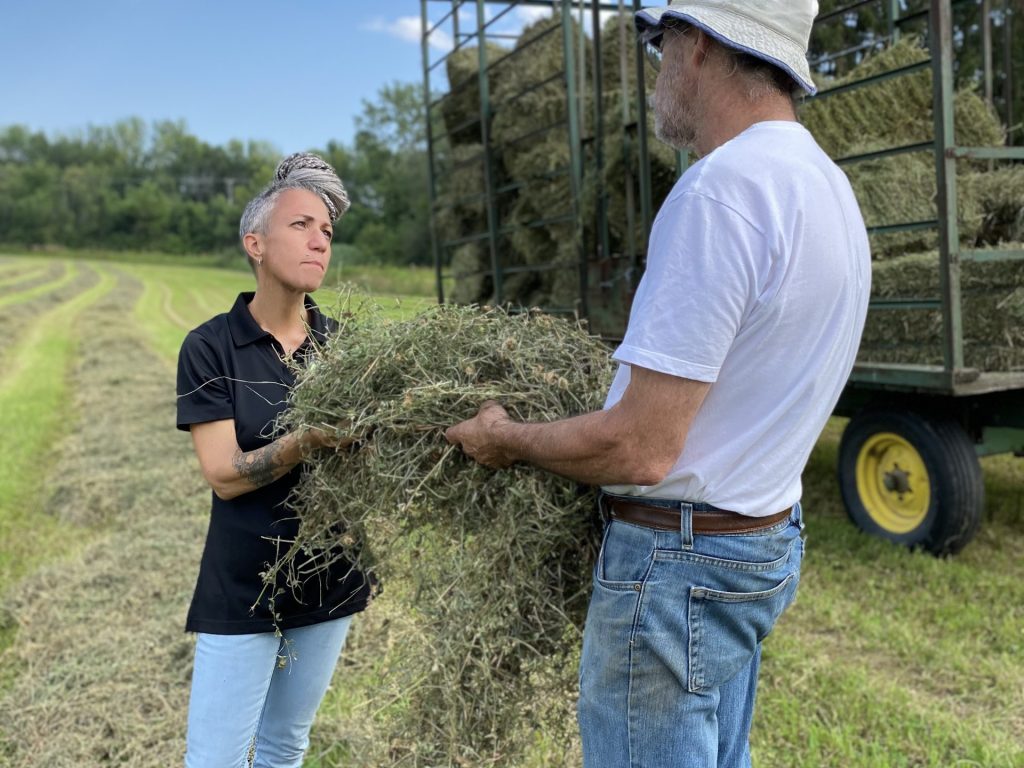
pixel 667 519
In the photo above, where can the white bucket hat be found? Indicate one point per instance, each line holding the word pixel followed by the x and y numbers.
pixel 776 31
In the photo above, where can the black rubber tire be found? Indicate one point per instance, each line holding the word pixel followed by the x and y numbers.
pixel 957 495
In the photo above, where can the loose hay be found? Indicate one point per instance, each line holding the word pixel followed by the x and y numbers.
pixel 491 568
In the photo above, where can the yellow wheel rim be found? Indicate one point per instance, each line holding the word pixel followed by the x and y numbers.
pixel 893 482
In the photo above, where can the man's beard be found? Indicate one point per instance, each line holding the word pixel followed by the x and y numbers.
pixel 676 124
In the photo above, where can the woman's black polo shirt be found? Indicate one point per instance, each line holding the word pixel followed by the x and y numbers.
pixel 230 368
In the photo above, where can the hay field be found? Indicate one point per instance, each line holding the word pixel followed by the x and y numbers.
pixel 887 658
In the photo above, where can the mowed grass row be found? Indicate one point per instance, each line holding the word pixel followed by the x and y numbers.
pixel 33 411
pixel 52 280
pixel 13 273
pixel 17 317
pixel 888 658
pixel 99 668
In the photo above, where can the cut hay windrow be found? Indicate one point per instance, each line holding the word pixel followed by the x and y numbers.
pixel 491 569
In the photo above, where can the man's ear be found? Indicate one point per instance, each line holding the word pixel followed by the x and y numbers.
pixel 702 44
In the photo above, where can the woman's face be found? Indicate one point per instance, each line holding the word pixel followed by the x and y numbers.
pixel 297 247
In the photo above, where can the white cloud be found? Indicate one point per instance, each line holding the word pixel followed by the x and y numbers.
pixel 409 29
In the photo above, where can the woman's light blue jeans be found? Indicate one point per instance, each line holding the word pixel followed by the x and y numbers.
pixel 254 697
pixel 672 642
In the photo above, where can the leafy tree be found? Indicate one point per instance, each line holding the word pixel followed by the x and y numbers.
pixel 159 187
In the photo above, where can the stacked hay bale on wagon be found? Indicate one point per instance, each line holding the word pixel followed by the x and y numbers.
pixel 893 113
pixel 992 295
pixel 530 132
pixel 902 189
pixel 621 173
pixel 486 572
pixel 530 162
pixel 461 205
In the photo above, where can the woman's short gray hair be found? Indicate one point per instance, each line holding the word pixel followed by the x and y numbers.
pixel 299 171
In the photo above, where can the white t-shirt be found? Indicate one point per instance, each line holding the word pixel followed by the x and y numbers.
pixel 758 277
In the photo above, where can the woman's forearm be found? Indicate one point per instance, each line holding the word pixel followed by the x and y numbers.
pixel 254 469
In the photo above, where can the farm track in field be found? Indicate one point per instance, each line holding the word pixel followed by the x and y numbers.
pixel 103 658
pixel 17 317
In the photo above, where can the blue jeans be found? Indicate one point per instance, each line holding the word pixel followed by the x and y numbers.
pixel 672 642
pixel 254 696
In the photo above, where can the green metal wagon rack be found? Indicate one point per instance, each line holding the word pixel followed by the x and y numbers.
pixel 909 457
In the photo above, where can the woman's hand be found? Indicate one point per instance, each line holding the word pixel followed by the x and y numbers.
pixel 337 437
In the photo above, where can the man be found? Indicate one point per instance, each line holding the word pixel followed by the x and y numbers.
pixel 742 334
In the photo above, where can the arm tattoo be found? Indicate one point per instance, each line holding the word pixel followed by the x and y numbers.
pixel 259 467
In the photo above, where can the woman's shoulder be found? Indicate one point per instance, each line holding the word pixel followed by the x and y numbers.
pixel 210 336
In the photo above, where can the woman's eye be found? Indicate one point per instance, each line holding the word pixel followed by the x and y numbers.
pixel 300 223
pixel 328 234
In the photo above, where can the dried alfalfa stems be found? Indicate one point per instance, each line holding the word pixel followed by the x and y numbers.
pixel 489 570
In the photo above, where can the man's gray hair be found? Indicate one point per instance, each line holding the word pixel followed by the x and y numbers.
pixel 299 171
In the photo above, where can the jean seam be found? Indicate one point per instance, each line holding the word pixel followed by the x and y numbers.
pixel 633 633
pixel 733 565
pixel 250 758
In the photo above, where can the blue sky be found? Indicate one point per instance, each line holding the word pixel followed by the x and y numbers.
pixel 291 73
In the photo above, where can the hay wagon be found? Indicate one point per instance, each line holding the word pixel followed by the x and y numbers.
pixel 545 178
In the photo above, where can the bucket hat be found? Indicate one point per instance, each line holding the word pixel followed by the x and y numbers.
pixel 776 31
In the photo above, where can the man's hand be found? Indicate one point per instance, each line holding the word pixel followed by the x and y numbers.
pixel 479 439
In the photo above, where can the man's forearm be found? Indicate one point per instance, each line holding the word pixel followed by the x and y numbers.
pixel 591 449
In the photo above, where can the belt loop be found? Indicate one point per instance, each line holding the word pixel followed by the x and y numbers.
pixel 686 524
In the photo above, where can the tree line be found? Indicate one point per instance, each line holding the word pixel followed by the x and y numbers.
pixel 157 187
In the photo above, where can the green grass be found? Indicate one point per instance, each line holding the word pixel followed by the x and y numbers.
pixel 893 658
pixel 888 658
pixel 177 299
pixel 33 413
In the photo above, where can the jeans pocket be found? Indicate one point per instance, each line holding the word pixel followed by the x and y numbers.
pixel 625 557
pixel 725 628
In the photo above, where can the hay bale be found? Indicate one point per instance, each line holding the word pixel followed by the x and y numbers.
pixel 461 106
pixel 902 189
pixel 613 56
pixel 495 565
pixel 471 271
pixel 1000 198
pixel 622 152
pixel 540 162
pixel 896 111
pixel 993 313
pixel 461 206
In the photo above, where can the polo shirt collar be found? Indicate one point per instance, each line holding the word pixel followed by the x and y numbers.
pixel 245 330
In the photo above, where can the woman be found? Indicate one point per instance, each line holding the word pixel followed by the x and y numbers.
pixel 262 667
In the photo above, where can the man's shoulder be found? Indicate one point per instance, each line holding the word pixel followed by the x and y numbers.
pixel 758 170
pixel 763 150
